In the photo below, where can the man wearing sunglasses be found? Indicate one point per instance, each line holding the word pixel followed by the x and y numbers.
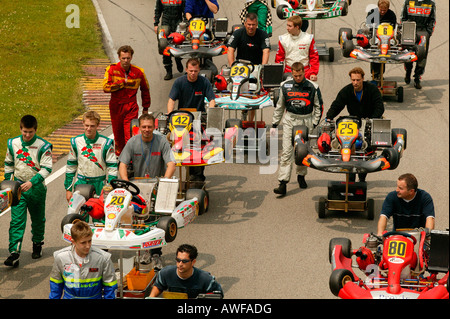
pixel 184 277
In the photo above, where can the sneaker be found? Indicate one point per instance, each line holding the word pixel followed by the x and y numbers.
pixel 417 84
pixel 179 65
pixel 301 181
pixel 146 258
pixel 281 189
pixel 12 260
pixel 168 76
pixel 157 262
pixel 37 250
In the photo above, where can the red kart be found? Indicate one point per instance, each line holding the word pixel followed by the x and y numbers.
pixel 398 265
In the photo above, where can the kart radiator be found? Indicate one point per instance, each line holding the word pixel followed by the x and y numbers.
pixel 438 251
pixel 408 33
pixel 381 133
pixel 167 195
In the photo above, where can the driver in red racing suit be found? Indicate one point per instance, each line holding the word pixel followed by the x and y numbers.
pixel 123 80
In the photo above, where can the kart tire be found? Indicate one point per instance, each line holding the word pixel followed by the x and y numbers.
pixel 338 279
pixel 86 190
pixel 349 34
pixel 344 7
pixel 347 48
pixel 370 209
pixel 304 135
pixel 322 208
pixel 280 10
pixel 70 219
pixel 300 152
pixel 399 94
pixel 162 45
pixel 395 132
pixel 346 247
pixel 421 52
pixel 169 225
pixel 392 157
pixel 16 191
pixel 330 54
pixel 273 3
pixel 203 199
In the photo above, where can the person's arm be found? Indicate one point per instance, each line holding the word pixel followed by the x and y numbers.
pixel 314 63
pixel 318 107
pixel 109 279
pixel 158 13
pixel 382 223
pixel 230 55
pixel 278 112
pixel 265 57
pixel 110 160
pixel 214 8
pixel 337 106
pixel 377 103
pixel 123 173
pixel 145 93
pixel 56 282
pixel 429 223
pixel 71 169
pixel 280 56
pixel 170 105
pixel 155 292
pixel 431 20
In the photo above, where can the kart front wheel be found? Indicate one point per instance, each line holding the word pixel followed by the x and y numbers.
pixel 322 207
pixel 392 157
pixel 338 278
pixel 346 247
pixel 202 196
pixel 169 225
pixel 15 190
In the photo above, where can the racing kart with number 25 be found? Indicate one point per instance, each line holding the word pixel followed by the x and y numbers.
pixel 398 265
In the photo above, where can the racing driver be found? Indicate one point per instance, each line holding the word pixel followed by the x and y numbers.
pixel 123 80
pixel 302 101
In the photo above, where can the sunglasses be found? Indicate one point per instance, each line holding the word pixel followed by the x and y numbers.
pixel 184 261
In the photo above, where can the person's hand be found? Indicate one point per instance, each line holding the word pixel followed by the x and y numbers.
pixel 273 130
pixel 68 195
pixel 26 186
pixel 313 77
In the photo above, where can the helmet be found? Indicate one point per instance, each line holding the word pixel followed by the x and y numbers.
pixel 362 40
pixel 294 3
pixel 177 37
pixel 324 143
pixel 220 83
pixel 94 207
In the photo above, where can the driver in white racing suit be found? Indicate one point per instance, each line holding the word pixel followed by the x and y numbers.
pixel 302 101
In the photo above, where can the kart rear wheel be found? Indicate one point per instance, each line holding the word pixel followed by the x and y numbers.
pixel 370 209
pixel 346 247
pixel 280 10
pixel 344 7
pixel 349 34
pixel 304 132
pixel 322 207
pixel 86 190
pixel 70 219
pixel 338 278
pixel 169 225
pixel 15 190
pixel 300 152
pixel 330 54
pixel 202 196
pixel 347 48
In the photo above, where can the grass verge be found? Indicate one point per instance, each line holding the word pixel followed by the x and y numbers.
pixel 42 63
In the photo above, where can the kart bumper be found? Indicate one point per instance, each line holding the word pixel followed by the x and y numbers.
pixel 244 103
pixel 200 52
pixel 390 58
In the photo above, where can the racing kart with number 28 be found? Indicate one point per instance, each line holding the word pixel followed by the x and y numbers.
pixel 398 265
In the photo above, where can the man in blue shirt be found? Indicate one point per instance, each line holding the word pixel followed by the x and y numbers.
pixel 201 8
pixel 409 206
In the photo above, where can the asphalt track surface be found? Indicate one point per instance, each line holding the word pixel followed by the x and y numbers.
pixel 257 245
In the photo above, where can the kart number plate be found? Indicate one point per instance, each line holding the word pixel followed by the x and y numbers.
pixel 197 25
pixel 239 70
pixel 385 30
pixel 180 120
pixel 117 201
pixel 397 248
pixel 347 129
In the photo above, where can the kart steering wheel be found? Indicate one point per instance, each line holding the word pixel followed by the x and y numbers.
pixel 120 183
pixel 246 62
pixel 401 234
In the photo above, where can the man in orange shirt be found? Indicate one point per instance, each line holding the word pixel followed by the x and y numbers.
pixel 123 80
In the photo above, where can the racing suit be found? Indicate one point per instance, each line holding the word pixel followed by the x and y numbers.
pixel 28 161
pixel 94 278
pixel 423 12
pixel 300 48
pixel 304 106
pixel 123 106
pixel 172 12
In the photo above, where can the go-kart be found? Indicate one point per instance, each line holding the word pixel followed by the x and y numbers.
pixel 194 40
pixel 398 265
pixel 349 145
pixel 134 215
pixel 311 9
pixel 383 44
pixel 245 87
pixel 10 194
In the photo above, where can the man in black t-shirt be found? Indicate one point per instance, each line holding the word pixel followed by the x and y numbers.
pixel 251 43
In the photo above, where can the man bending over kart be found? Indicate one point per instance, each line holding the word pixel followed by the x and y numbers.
pixel 201 8
pixel 29 161
pixel 190 90
pixel 91 157
pixel 423 13
pixel 82 271
pixel 184 277
pixel 172 14
pixel 302 101
pixel 151 156
pixel 298 46
pixel 363 100
pixel 251 44
pixel 409 206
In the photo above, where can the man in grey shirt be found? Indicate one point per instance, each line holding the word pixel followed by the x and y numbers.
pixel 149 153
